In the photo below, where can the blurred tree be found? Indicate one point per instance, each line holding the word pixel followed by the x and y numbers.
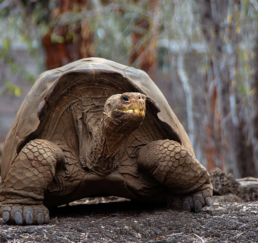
pixel 220 22
pixel 12 23
pixel 65 43
pixel 254 86
pixel 144 37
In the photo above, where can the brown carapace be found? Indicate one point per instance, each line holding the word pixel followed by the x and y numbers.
pixel 97 128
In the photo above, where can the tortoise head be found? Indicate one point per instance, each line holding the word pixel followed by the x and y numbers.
pixel 125 112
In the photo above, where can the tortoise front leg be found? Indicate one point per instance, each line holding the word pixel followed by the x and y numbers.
pixel 22 194
pixel 188 182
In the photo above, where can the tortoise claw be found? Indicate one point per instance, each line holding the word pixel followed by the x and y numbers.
pixel 40 218
pixel 29 218
pixel 192 202
pixel 186 206
pixel 18 218
pixel 28 215
pixel 208 201
pixel 20 215
pixel 197 206
pixel 6 216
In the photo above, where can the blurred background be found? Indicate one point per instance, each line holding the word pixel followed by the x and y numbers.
pixel 202 54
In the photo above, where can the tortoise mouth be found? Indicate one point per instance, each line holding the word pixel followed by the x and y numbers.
pixel 137 111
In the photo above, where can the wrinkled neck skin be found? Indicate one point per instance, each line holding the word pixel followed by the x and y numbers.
pixel 115 133
pixel 105 143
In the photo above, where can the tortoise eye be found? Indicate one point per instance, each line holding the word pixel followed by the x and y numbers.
pixel 124 99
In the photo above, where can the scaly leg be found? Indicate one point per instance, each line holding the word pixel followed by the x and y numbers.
pixel 22 194
pixel 188 182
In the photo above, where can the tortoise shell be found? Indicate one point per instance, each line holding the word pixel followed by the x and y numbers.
pixel 90 82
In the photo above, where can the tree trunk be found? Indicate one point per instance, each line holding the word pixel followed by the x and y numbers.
pixel 255 109
pixel 189 98
pixel 64 44
pixel 144 40
pixel 214 156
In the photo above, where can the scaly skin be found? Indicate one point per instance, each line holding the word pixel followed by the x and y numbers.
pixel 173 166
pixel 22 194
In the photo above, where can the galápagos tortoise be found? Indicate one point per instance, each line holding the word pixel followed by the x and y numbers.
pixel 94 128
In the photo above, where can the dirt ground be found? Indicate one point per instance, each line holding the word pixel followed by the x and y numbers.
pixel 138 222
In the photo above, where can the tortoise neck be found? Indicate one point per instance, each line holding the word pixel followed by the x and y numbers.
pixel 113 139
pixel 103 145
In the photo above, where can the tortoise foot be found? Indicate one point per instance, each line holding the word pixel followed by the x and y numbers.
pixel 24 214
pixel 191 202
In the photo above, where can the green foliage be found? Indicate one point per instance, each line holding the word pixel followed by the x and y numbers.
pixel 7 58
pixel 12 88
pixel 57 38
pixel 19 20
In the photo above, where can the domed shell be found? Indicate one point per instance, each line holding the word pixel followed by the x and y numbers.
pixel 28 118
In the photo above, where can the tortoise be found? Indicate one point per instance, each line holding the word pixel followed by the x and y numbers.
pixel 97 128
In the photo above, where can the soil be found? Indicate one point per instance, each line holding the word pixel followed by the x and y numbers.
pixel 229 219
pixel 138 222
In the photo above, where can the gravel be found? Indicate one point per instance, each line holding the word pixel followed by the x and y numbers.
pixel 139 222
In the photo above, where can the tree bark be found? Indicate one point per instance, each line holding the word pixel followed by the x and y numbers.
pixel 71 46
pixel 144 40
pixel 255 109
pixel 189 98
